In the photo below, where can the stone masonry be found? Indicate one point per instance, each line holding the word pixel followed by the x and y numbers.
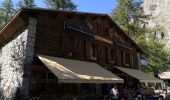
pixel 160 17
pixel 14 55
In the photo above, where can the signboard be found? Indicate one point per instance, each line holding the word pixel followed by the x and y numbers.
pixel 78 28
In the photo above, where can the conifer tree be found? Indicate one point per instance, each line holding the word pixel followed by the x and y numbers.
pixel 6 10
pixel 1 20
pixel 26 4
pixel 130 17
pixel 60 4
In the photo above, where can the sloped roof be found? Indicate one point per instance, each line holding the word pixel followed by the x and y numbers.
pixel 7 31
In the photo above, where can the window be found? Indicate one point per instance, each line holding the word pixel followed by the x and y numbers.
pixel 111 33
pixel 113 55
pixel 71 45
pixel 126 59
pixel 103 29
pixel 107 31
pixel 93 52
pixel 51 76
pixel 43 75
pixel 97 27
pixel 106 54
pixel 50 87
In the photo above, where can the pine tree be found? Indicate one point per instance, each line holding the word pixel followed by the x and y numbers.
pixel 1 20
pixel 60 4
pixel 26 4
pixel 6 10
pixel 130 17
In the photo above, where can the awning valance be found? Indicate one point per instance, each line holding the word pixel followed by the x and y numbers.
pixel 141 76
pixel 164 75
pixel 74 71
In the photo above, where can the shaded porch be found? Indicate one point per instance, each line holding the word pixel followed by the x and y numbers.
pixel 65 79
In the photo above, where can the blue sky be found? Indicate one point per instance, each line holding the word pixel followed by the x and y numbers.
pixel 96 6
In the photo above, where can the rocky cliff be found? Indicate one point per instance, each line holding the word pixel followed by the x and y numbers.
pixel 160 17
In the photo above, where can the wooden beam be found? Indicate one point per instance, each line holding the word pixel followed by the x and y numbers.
pixel 123 46
pixel 103 17
pixel 94 17
pixel 103 39
pixel 54 15
pixel 70 16
pixel 83 16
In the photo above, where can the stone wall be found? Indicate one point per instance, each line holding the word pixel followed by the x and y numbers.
pixel 14 55
pixel 160 16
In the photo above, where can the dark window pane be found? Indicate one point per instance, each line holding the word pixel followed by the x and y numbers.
pixel 51 76
pixel 106 54
pixel 43 86
pixel 43 75
pixel 113 54
pixel 50 87
pixel 127 58
pixel 71 44
pixel 93 50
pixel 97 27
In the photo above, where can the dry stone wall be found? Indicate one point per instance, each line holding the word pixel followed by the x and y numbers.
pixel 14 55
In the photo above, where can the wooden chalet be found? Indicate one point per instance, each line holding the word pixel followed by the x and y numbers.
pixel 77 55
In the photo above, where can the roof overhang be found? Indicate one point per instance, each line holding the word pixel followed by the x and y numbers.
pixel 11 27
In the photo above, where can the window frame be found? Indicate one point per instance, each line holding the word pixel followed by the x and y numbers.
pixel 71 45
pixel 93 51
pixel 112 59
pixel 125 61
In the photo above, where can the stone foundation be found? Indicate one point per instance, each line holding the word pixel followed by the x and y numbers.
pixel 14 55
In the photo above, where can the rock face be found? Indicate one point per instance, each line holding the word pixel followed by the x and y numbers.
pixel 14 55
pixel 160 17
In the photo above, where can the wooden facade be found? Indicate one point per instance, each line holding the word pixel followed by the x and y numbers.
pixel 81 36
pixel 87 37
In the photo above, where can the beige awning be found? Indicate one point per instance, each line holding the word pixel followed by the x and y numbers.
pixel 75 71
pixel 141 76
pixel 164 75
